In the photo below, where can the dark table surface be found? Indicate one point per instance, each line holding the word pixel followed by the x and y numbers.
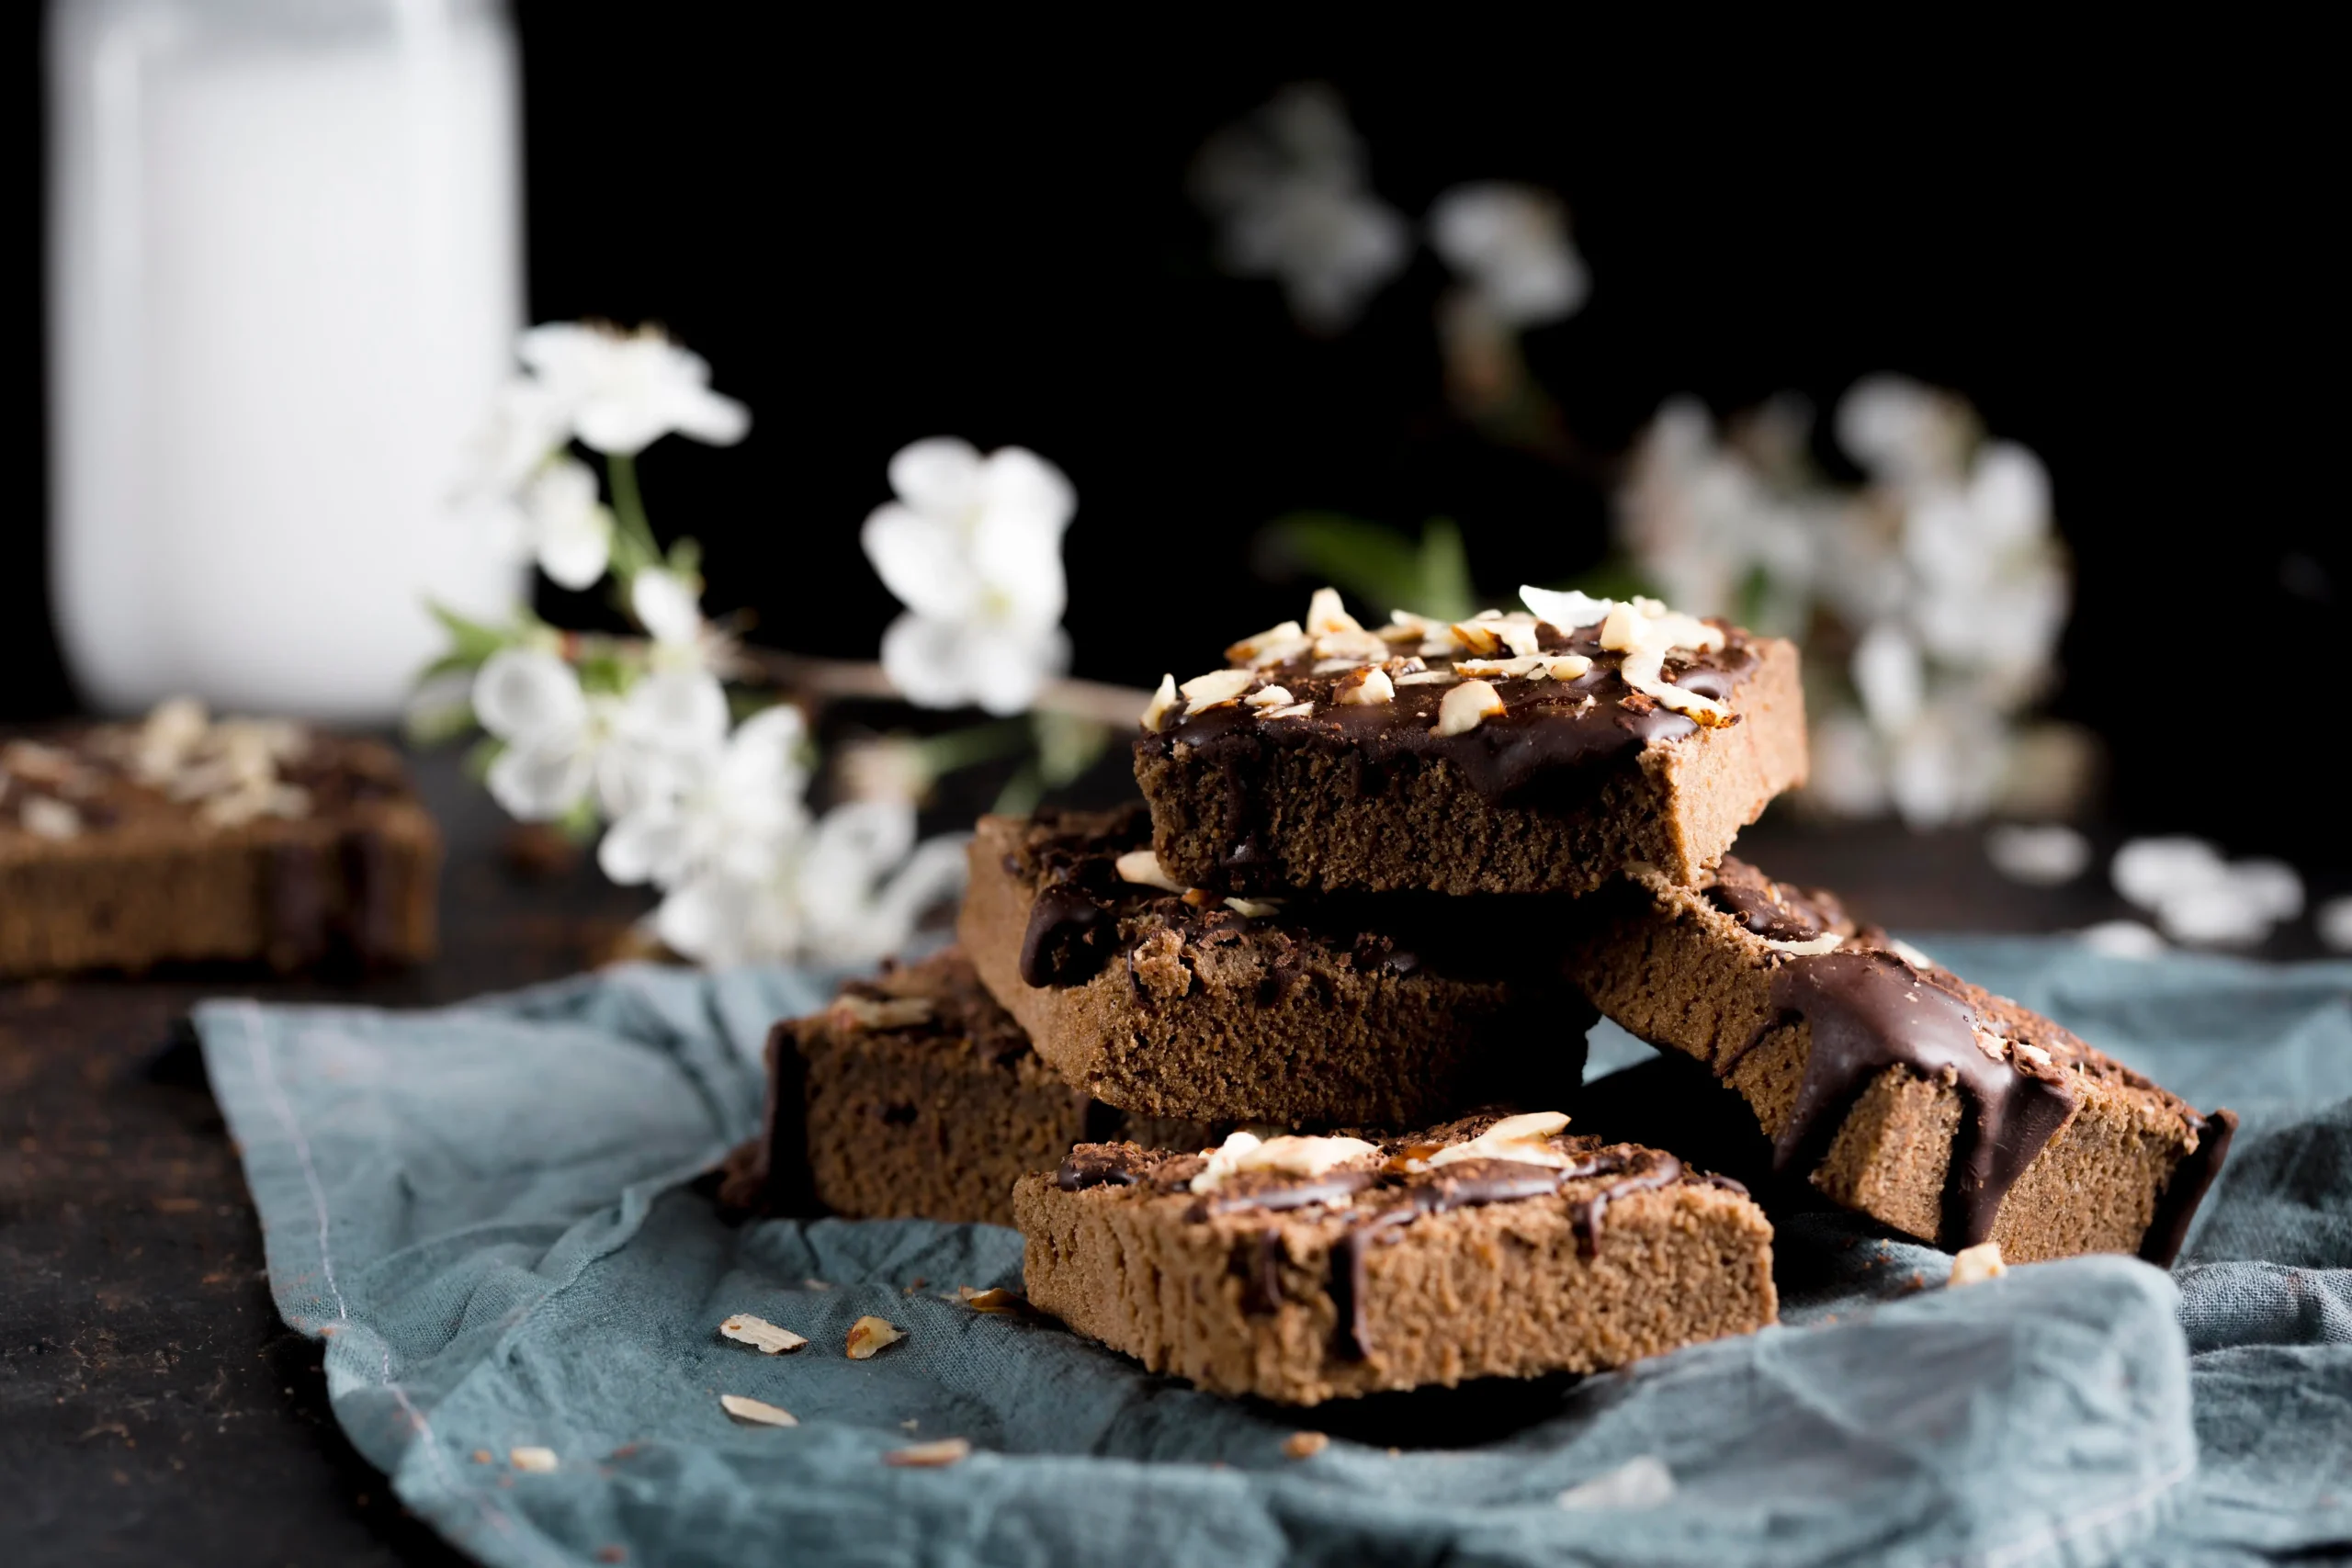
pixel 152 1407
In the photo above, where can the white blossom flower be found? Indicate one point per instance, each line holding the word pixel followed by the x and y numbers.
pixel 527 422
pixel 2039 855
pixel 2334 922
pixel 849 891
pixel 561 742
pixel 730 806
pixel 1510 243
pixel 622 391
pixel 1902 430
pixel 1287 187
pixel 569 530
pixel 972 546
pixel 2200 898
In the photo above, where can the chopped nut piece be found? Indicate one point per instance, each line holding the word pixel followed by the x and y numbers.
pixel 1305 1445
pixel 1519 635
pixel 995 1299
pixel 1808 947
pixel 931 1456
pixel 1532 667
pixel 1519 1138
pixel 1292 1154
pixel 1406 626
pixel 761 1334
pixel 1466 707
pixel 538 1461
pixel 1215 688
pixel 45 818
pixel 1249 648
pixel 1358 645
pixel 1974 1264
pixel 854 1012
pixel 1270 697
pixel 1909 955
pixel 1620 630
pixel 1479 638
pixel 868 1335
pixel 1570 667
pixel 756 1411
pixel 1567 609
pixel 1142 867
pixel 482 1456
pixel 2034 1053
pixel 1295 710
pixel 1155 713
pixel 1369 690
pixel 1326 613
pixel 1426 678
pixel 1255 909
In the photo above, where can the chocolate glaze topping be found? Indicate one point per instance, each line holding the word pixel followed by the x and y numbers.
pixel 1871 1011
pixel 1773 910
pixel 2191 1179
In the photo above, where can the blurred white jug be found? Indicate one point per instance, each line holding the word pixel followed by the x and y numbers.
pixel 285 280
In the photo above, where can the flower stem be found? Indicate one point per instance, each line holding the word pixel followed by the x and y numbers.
pixel 628 508
pixel 944 754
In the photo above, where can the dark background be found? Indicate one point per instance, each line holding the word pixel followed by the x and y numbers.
pixel 2120 257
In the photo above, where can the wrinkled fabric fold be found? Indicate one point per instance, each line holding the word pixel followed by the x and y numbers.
pixel 489 1213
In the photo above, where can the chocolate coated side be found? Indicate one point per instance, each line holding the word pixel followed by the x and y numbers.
pixel 2191 1179
pixel 1871 1011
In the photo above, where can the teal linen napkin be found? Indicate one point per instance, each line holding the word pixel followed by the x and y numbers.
pixel 484 1212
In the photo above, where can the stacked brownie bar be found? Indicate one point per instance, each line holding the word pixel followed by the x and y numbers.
pixel 1275 1073
pixel 186 838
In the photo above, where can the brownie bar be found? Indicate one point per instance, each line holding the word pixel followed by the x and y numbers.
pixel 915 1096
pixel 1388 1012
pixel 1542 751
pixel 1303 1268
pixel 1905 1092
pixel 183 839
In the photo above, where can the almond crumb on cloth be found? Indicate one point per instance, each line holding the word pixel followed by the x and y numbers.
pixel 868 1335
pixel 995 1299
pixel 538 1461
pixel 1973 1265
pixel 930 1456
pixel 761 1334
pixel 756 1411
pixel 1305 1445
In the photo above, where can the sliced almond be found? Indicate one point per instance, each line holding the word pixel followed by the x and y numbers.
pixel 1325 613
pixel 1519 635
pixel 1290 1155
pixel 1295 710
pixel 1570 667
pixel 1369 690
pixel 1522 1138
pixel 1249 648
pixel 1483 640
pixel 1270 698
pixel 994 1299
pixel 931 1456
pixel 1155 713
pixel 1334 666
pixel 1254 908
pixel 857 1012
pixel 1811 945
pixel 1466 707
pixel 1305 1445
pixel 1215 688
pixel 868 1335
pixel 1529 667
pixel 761 1334
pixel 1426 678
pixel 1142 867
pixel 537 1460
pixel 45 817
pixel 756 1411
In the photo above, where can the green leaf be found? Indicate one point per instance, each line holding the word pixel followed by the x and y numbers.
pixel 685 559
pixel 1066 746
pixel 470 642
pixel 480 755
pixel 1376 566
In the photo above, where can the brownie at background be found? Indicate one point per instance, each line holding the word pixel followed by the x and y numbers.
pixel 1392 1011
pixel 913 1095
pixel 1328 758
pixel 1897 1088
pixel 187 839
pixel 1310 1268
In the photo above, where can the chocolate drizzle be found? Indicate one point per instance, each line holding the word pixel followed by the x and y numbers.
pixel 1663 1170
pixel 1773 910
pixel 1098 1165
pixel 1067 937
pixel 1871 1011
pixel 2191 1179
